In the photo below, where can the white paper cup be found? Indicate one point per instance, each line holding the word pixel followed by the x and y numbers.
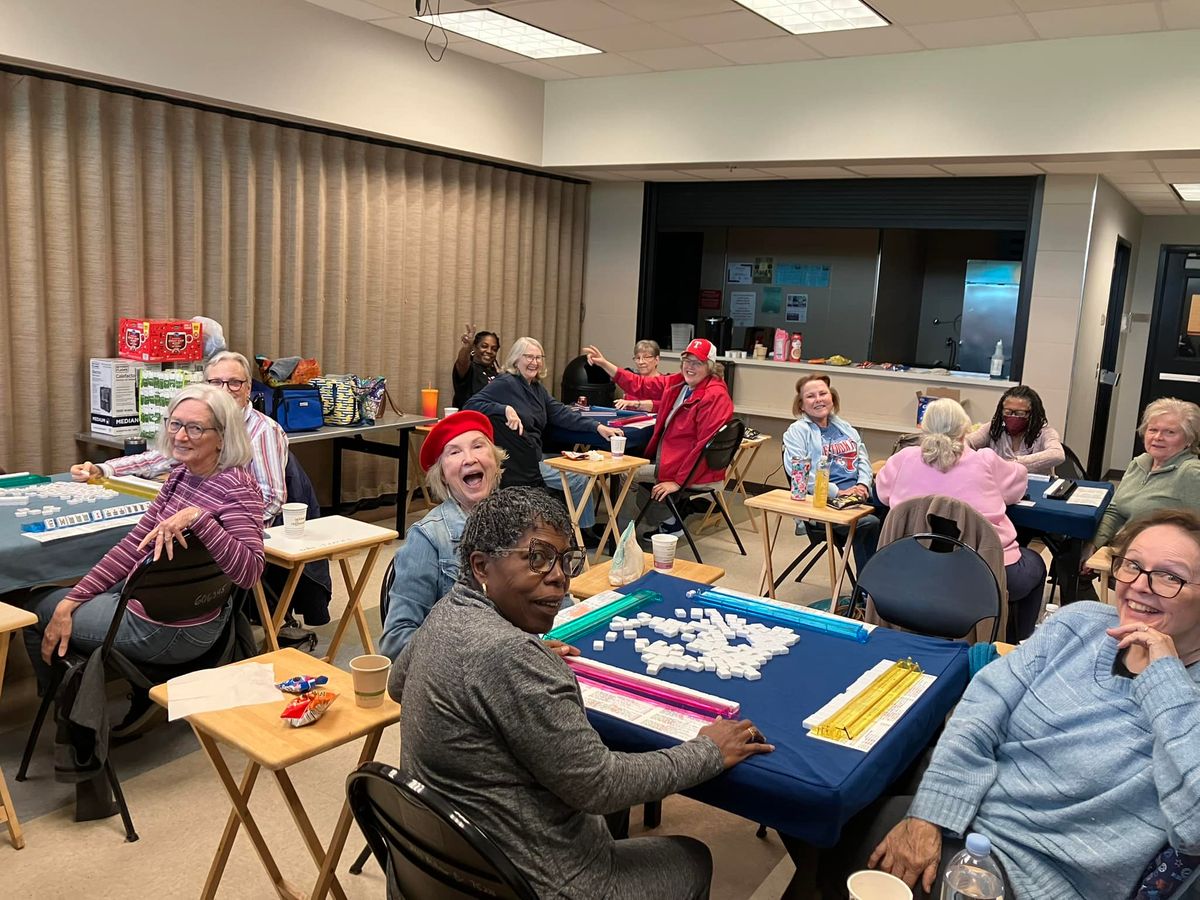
pixel 294 515
pixel 663 546
pixel 870 884
pixel 449 411
pixel 370 678
pixel 616 443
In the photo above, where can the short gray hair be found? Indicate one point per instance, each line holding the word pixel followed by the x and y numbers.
pixel 502 517
pixel 647 346
pixel 435 478
pixel 227 418
pixel 944 425
pixel 1188 414
pixel 520 347
pixel 230 355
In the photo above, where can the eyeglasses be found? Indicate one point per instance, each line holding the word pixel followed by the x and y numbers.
pixel 532 357
pixel 644 358
pixel 542 558
pixel 233 384
pixel 1016 413
pixel 1161 584
pixel 194 429
pixel 690 362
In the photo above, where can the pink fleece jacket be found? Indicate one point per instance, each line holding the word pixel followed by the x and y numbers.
pixel 980 478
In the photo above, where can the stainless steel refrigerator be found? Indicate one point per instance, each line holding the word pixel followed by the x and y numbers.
pixel 989 313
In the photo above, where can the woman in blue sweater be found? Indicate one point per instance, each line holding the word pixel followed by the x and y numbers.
pixel 1076 754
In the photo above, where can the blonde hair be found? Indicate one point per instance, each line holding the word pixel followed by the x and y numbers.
pixel 435 478
pixel 1188 414
pixel 943 427
pixel 647 346
pixel 520 347
pixel 227 419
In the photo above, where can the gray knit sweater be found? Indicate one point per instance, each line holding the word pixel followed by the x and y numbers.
pixel 495 722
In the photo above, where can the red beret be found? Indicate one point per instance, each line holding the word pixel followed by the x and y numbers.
pixel 448 429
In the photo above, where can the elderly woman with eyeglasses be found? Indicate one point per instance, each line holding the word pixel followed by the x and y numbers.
pixel 268 442
pixel 646 355
pixel 494 719
pixel 1076 754
pixel 210 496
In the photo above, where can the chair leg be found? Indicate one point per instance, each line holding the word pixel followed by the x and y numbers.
pixel 130 834
pixel 56 677
pixel 652 814
pixel 729 522
pixel 813 545
pixel 682 524
pixel 357 867
pixel 642 513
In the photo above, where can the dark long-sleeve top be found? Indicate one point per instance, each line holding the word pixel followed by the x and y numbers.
pixel 537 409
pixel 495 721
pixel 230 527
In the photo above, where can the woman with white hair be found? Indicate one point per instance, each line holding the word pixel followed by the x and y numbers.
pixel 943 463
pixel 646 356
pixel 211 497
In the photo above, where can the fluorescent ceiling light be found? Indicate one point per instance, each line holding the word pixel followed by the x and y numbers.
pixel 508 34
pixel 814 16
pixel 1188 191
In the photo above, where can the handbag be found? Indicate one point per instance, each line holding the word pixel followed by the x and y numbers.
pixel 340 399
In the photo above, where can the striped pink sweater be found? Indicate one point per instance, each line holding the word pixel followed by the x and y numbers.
pixel 230 527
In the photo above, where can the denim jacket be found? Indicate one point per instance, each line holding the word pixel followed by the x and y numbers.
pixel 426 568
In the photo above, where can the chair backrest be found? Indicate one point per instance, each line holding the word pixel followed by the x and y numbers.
pixel 188 585
pixel 940 593
pixel 1071 467
pixel 428 848
pixel 385 590
pixel 721 448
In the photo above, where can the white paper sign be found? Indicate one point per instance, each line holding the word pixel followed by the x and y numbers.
pixel 740 273
pixel 797 308
pixel 741 307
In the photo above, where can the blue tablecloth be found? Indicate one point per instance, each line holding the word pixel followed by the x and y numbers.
pixel 635 438
pixel 1057 516
pixel 806 788
pixel 25 563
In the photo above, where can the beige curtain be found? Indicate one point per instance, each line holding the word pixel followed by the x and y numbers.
pixel 369 258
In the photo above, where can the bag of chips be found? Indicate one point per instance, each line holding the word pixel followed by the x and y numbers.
pixel 307 708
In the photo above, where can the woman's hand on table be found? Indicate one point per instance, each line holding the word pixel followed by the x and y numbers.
pixel 513 421
pixel 1157 644
pixel 861 491
pixel 605 432
pixel 85 471
pixel 57 636
pixel 660 490
pixel 911 851
pixel 558 648
pixel 164 535
pixel 630 404
pixel 737 741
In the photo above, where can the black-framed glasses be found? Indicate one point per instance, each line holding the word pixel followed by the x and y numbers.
pixel 1162 584
pixel 233 384
pixel 194 429
pixel 542 557
pixel 1008 413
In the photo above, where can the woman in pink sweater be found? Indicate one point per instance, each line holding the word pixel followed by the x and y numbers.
pixel 944 464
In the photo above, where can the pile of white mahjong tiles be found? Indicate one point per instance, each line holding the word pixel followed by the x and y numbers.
pixel 50 498
pixel 702 640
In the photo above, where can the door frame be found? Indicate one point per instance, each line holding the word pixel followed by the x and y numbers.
pixel 1118 289
pixel 1150 372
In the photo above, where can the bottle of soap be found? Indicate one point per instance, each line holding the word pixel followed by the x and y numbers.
pixel 997 369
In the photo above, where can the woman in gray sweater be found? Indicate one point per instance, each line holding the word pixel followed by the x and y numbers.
pixel 495 720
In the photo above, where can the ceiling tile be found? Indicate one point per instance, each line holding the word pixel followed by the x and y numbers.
pixel 1146 191
pixel 1096 166
pixel 1040 5
pixel 357 9
pixel 796 173
pixel 635 36
pixel 538 69
pixel 1180 177
pixel 661 10
pixel 598 175
pixel 730 26
pixel 659 175
pixel 596 64
pixel 1123 19
pixel 1181 13
pixel 863 42
pixel 419 30
pixel 987 169
pixel 408 8
pixel 678 58
pixel 973 32
pixel 565 17
pixel 765 50
pixel 1177 164
pixel 913 12
pixel 1124 178
pixel 906 170
pixel 729 173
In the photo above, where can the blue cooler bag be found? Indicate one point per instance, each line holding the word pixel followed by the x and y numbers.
pixel 298 408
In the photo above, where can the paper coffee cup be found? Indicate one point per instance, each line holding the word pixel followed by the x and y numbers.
pixel 449 411
pixel 870 884
pixel 617 444
pixel 663 546
pixel 370 678
pixel 294 515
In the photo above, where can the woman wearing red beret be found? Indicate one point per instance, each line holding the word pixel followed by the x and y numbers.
pixel 462 466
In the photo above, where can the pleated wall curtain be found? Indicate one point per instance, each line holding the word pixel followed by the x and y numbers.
pixel 368 257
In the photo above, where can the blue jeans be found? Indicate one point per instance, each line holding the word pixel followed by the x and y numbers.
pixel 136 639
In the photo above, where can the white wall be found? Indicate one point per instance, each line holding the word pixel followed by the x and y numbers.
pixel 1112 217
pixel 287 58
pixel 1082 95
pixel 611 267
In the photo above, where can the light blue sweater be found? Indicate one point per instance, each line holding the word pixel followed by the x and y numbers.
pixel 1079 777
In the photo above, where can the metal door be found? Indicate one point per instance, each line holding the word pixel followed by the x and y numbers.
pixel 1173 357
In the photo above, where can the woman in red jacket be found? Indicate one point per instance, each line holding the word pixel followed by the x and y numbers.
pixel 692 406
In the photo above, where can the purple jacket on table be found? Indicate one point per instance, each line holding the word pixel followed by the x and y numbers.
pixel 230 528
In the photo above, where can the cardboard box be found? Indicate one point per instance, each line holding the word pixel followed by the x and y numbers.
pixel 160 340
pixel 114 408
pixel 156 388
pixel 927 396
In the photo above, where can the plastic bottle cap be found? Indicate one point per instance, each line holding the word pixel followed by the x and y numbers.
pixel 978 844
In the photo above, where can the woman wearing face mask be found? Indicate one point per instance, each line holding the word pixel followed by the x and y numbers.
pixel 1018 432
pixel 475 366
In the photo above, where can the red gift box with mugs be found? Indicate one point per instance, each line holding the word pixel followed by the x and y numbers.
pixel 160 340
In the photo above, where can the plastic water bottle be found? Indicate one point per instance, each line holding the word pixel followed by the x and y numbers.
pixel 821 489
pixel 973 873
pixel 1051 609
pixel 998 360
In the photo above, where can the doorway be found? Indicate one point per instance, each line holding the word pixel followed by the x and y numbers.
pixel 675 284
pixel 1173 357
pixel 1107 374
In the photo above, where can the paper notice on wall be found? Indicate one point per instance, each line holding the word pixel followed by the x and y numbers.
pixel 797 307
pixel 798 275
pixel 772 299
pixel 741 308
pixel 741 273
pixel 764 270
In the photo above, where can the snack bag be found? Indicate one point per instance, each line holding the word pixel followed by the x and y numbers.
pixel 628 562
pixel 302 684
pixel 307 708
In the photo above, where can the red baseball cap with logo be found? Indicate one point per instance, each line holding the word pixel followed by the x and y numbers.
pixel 701 349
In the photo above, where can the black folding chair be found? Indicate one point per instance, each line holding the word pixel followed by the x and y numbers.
pixel 170 590
pixel 717 454
pixel 427 847
pixel 931 584
pixel 814 553
pixel 1058 544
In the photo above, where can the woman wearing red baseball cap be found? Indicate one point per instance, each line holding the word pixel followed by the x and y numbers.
pixel 462 466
